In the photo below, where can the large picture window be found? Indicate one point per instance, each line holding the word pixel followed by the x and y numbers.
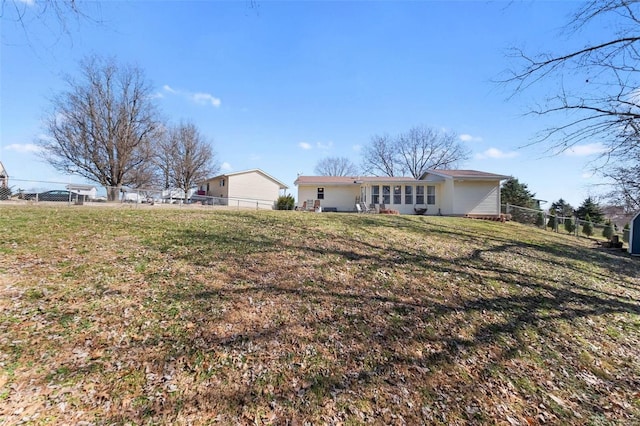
pixel 420 194
pixel 386 194
pixel 431 195
pixel 320 194
pixel 375 194
pixel 408 194
pixel 397 194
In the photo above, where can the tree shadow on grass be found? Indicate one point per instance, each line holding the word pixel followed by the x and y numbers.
pixel 331 330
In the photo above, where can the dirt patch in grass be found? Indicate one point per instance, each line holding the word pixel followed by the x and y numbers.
pixel 179 316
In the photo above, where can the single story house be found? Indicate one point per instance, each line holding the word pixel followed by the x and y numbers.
pixel 252 187
pixel 441 192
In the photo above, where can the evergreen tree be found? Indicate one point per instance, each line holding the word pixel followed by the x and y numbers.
pixel 540 220
pixel 607 231
pixel 587 228
pixel 552 220
pixel 562 208
pixel 569 226
pixel 517 194
pixel 590 208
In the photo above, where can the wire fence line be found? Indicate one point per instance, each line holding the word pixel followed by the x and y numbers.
pixel 32 192
pixel 569 224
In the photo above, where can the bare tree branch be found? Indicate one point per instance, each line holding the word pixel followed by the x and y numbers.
pixel 103 127
pixel 413 152
pixel 336 166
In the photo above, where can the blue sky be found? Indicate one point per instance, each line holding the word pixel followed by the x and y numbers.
pixel 284 84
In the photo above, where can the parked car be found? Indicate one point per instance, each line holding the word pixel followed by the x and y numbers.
pixel 54 195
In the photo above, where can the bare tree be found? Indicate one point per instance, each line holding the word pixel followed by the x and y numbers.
pixel 602 101
pixel 380 156
pixel 413 152
pixel 185 157
pixel 103 126
pixel 598 89
pixel 423 148
pixel 54 16
pixel 336 166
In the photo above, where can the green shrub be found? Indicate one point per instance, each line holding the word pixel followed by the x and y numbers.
pixel 587 228
pixel 540 220
pixel 607 231
pixel 552 221
pixel 569 226
pixel 285 202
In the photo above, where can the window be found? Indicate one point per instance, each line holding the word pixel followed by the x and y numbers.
pixel 420 194
pixel 397 194
pixel 431 194
pixel 320 194
pixel 386 194
pixel 408 194
pixel 375 194
pixel 221 182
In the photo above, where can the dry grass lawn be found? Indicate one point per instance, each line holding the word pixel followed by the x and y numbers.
pixel 179 316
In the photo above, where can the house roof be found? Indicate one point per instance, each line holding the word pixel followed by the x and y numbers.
pixel 268 176
pixel 350 180
pixel 464 174
pixel 440 174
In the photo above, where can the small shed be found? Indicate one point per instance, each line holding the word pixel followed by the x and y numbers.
pixel 634 236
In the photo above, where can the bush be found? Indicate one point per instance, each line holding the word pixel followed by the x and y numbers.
pixel 552 221
pixel 285 202
pixel 587 228
pixel 540 220
pixel 569 226
pixel 607 231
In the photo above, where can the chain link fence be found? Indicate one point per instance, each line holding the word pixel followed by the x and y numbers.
pixel 569 225
pixel 41 192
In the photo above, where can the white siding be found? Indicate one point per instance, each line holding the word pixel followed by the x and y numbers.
pixel 476 198
pixel 445 194
pixel 342 197
pixel 252 185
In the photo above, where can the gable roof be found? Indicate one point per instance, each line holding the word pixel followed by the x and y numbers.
pixel 464 174
pixel 268 176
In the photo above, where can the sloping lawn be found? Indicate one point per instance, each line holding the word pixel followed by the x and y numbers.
pixel 180 316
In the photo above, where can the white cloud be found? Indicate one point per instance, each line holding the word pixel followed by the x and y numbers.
pixel 304 145
pixel 357 148
pixel 468 138
pixel 205 98
pixel 587 175
pixel 584 150
pixel 226 167
pixel 28 2
pixel 325 146
pixel 495 153
pixel 24 148
pixel 197 97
